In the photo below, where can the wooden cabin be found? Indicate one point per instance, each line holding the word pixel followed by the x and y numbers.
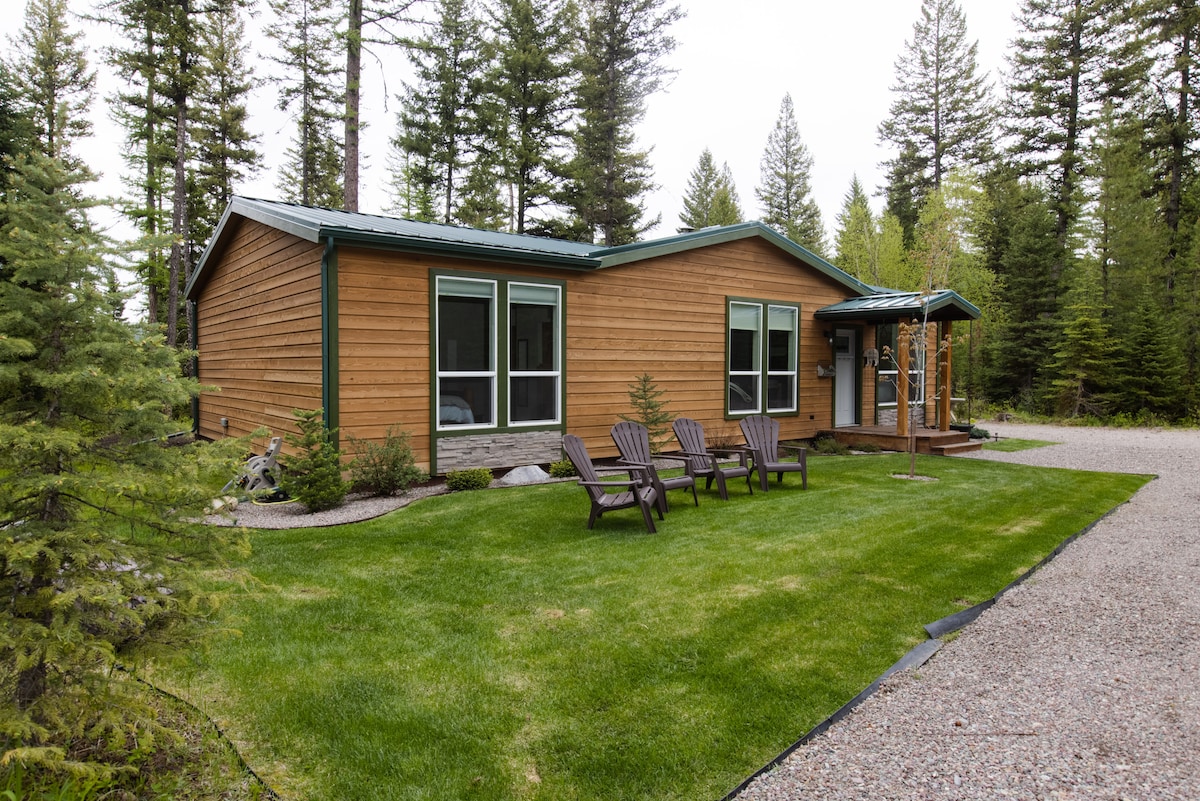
pixel 487 347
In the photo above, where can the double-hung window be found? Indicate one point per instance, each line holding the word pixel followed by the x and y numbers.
pixel 762 355
pixel 499 353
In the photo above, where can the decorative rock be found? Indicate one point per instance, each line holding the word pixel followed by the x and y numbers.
pixel 530 474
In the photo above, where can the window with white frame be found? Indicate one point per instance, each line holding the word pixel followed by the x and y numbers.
pixel 466 357
pixel 477 319
pixel 762 356
pixel 534 361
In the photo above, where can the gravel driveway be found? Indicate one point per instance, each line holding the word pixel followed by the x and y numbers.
pixel 1082 683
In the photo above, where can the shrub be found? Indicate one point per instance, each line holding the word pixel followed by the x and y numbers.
pixel 829 446
pixel 385 468
pixel 475 478
pixel 979 433
pixel 563 469
pixel 314 475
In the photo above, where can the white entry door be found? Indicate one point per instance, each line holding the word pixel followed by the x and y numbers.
pixel 845 346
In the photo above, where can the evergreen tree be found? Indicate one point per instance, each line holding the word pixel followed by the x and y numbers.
pixel 784 189
pixel 100 566
pixel 225 150
pixel 439 124
pixel 1175 24
pixel 52 81
pixel 360 17
pixel 623 44
pixel 1130 240
pixel 310 89
pixel 1152 383
pixel 1070 57
pixel 1084 363
pixel 143 112
pixel 1026 337
pixel 528 82
pixel 856 238
pixel 711 198
pixel 942 116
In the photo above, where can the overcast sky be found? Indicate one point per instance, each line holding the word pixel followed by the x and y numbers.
pixel 735 60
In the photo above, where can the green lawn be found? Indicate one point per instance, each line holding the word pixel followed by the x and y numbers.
pixel 1009 445
pixel 486 645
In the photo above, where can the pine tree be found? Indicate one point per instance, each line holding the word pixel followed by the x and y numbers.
pixel 310 89
pixel 440 124
pixel 942 116
pixel 620 64
pixel 784 189
pixel 711 198
pixel 528 82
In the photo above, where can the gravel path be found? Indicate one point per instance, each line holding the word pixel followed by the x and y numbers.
pixel 1082 683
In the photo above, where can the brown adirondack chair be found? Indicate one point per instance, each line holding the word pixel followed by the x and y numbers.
pixel 633 441
pixel 762 438
pixel 638 492
pixel 705 463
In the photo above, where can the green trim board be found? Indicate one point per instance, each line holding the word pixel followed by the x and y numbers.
pixel 330 373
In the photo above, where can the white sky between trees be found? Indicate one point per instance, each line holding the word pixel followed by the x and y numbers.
pixel 734 61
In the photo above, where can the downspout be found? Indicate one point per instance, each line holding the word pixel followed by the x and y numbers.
pixel 194 344
pixel 329 338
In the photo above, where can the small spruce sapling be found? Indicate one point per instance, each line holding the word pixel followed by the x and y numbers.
pixel 314 475
pixel 650 410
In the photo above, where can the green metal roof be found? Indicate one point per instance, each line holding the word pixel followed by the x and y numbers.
pixel 942 304
pixel 322 225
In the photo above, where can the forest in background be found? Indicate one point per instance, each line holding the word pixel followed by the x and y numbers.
pixel 1060 199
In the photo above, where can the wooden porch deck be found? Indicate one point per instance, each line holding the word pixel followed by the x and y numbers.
pixel 929 440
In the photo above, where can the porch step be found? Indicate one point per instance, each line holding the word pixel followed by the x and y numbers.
pixel 952 448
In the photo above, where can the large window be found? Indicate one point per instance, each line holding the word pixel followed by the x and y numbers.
pixel 762 357
pixel 477 319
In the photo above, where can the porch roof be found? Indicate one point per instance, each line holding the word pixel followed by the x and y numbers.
pixel 941 304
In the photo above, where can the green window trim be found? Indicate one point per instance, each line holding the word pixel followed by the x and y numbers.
pixel 523 377
pixel 762 357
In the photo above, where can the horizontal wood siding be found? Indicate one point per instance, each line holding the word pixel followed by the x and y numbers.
pixel 667 317
pixel 383 346
pixel 663 316
pixel 259 332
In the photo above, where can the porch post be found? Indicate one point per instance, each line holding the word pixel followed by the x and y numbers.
pixel 944 397
pixel 903 345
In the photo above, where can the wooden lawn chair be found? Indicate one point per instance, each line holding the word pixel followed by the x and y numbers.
pixel 638 492
pixel 633 441
pixel 762 438
pixel 705 463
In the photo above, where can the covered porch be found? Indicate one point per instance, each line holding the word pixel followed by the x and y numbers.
pixel 917 370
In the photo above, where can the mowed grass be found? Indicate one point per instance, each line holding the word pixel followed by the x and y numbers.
pixel 1013 445
pixel 486 645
